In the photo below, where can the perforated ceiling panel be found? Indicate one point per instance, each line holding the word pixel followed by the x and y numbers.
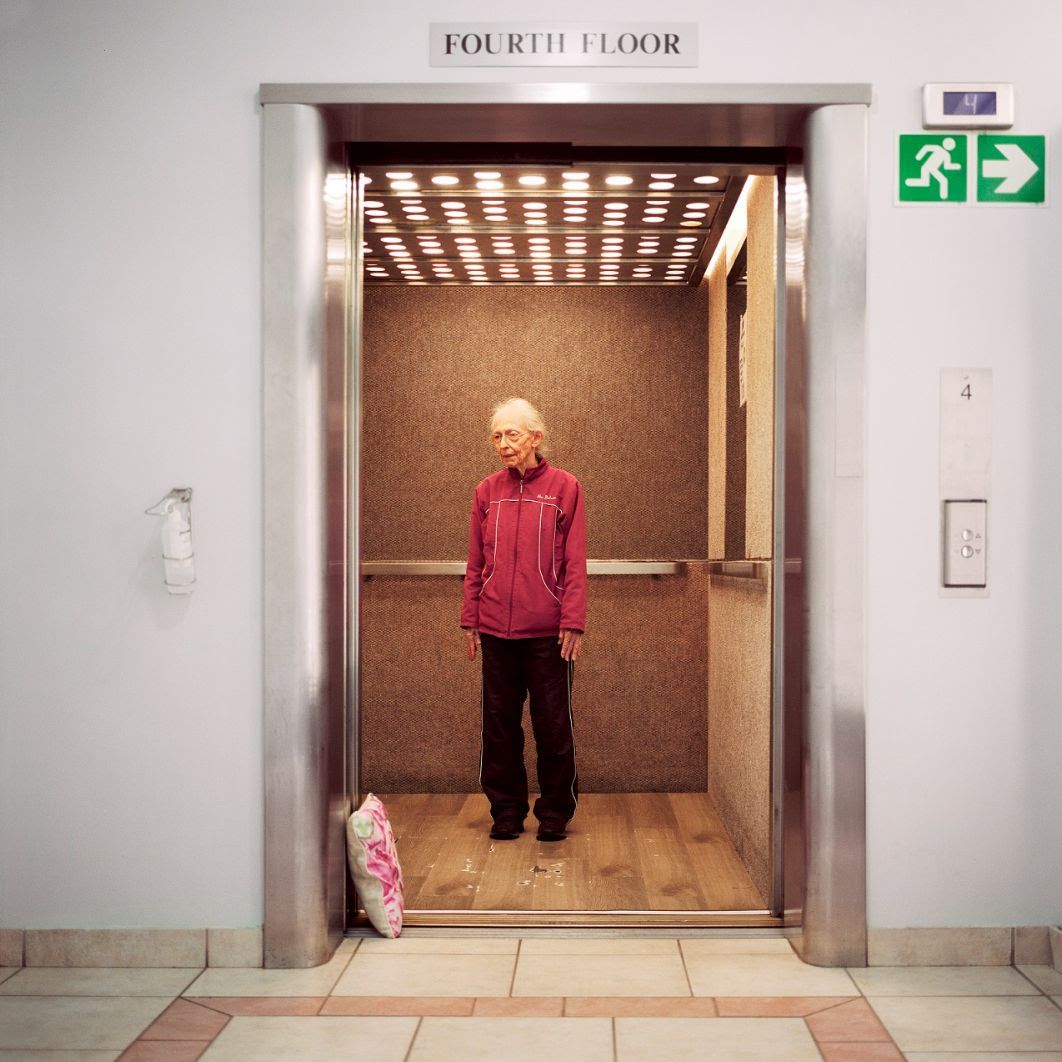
pixel 598 224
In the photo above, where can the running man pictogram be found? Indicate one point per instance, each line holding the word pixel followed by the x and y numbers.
pixel 937 158
pixel 933 168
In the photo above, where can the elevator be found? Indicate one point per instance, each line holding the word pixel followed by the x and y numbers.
pixel 324 588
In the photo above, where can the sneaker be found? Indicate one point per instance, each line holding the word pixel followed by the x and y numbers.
pixel 552 831
pixel 506 830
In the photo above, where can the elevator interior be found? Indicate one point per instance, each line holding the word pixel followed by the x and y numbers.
pixel 633 300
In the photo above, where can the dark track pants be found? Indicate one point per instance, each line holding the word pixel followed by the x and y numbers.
pixel 512 669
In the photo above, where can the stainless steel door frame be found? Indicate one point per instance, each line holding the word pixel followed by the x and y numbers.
pixel 311 322
pixel 307 254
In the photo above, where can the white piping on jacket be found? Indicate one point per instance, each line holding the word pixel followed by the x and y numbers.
pixel 538 557
pixel 571 725
pixel 497 521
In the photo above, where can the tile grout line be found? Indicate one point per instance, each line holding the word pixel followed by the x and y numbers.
pixel 834 1006
pixel 858 986
pixel 413 1039
pixel 198 1001
pixel 350 959
pixel 686 972
pixel 516 963
pixel 1030 980
pixel 180 995
pixel 615 1044
pixel 818 1046
pixel 881 1022
pixel 143 1030
pixel 81 995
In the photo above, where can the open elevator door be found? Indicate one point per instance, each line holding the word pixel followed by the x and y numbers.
pixel 307 305
pixel 530 216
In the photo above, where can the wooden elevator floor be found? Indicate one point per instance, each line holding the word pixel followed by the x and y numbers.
pixel 625 852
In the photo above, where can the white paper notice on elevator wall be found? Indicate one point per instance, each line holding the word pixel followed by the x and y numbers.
pixel 564 43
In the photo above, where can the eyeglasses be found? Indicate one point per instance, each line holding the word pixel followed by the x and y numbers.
pixel 511 436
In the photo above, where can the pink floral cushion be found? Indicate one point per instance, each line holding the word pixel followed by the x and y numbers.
pixel 374 866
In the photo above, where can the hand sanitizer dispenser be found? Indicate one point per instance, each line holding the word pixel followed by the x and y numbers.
pixel 178 557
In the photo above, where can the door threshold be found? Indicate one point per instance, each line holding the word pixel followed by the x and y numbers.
pixel 587 919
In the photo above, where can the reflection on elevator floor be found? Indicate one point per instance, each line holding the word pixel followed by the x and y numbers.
pixel 624 852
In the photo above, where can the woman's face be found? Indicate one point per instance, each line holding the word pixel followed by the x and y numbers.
pixel 515 445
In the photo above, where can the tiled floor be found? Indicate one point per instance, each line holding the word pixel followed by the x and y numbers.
pixel 427 998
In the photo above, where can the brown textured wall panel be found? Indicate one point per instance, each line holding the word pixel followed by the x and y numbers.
pixel 619 373
pixel 717 325
pixel 739 717
pixel 759 322
pixel 639 692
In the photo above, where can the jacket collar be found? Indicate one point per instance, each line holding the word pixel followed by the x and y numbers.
pixel 531 473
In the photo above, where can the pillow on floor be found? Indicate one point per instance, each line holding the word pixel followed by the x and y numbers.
pixel 374 866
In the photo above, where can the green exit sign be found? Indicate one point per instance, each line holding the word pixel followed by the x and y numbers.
pixel 1011 169
pixel 933 168
pixel 958 167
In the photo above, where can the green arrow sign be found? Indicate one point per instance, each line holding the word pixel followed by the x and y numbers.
pixel 1011 169
pixel 932 168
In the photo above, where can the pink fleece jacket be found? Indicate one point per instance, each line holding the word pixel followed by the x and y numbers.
pixel 526 573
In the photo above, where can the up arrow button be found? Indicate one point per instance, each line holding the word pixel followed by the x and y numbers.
pixel 1011 169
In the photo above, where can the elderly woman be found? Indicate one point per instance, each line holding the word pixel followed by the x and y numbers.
pixel 525 608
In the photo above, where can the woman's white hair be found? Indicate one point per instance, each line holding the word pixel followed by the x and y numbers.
pixel 520 410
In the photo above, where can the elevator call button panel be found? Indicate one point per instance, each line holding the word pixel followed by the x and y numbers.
pixel 965 543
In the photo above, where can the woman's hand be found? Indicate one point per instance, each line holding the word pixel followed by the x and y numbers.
pixel 471 642
pixel 570 642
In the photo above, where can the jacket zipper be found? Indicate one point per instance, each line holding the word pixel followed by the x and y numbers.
pixel 516 541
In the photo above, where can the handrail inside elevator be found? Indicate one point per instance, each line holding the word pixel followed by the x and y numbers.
pixel 593 567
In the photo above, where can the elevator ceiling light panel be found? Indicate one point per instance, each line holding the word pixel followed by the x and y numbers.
pixel 592 224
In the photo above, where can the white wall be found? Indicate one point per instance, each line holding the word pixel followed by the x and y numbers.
pixel 131 777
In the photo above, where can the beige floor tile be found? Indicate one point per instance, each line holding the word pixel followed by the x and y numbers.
pixel 513 1039
pixel 98 981
pixel 976 1023
pixel 599 946
pixel 427 975
pixel 764 975
pixel 738 946
pixel 439 946
pixel 313 1039
pixel 316 981
pixel 600 975
pixel 59 1056
pixel 1046 978
pixel 941 981
pixel 8 971
pixel 91 1023
pixel 740 1040
pixel 984 1056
